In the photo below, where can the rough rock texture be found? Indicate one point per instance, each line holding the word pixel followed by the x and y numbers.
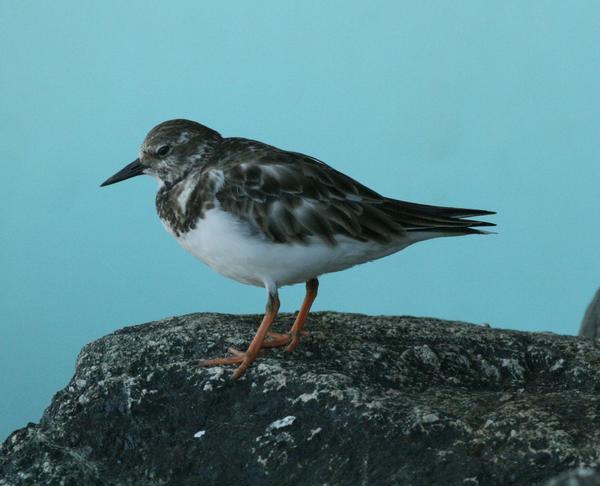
pixel 363 400
pixel 581 476
pixel 590 326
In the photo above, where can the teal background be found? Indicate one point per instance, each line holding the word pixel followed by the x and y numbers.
pixel 490 105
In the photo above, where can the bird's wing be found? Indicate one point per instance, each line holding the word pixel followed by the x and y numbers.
pixel 290 197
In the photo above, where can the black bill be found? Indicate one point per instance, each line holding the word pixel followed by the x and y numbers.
pixel 127 172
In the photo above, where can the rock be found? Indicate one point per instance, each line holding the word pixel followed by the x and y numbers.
pixel 581 476
pixel 363 400
pixel 590 326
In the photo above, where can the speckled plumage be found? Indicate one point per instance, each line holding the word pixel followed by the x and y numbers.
pixel 271 217
pixel 288 196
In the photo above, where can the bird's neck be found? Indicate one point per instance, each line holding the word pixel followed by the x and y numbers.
pixel 181 202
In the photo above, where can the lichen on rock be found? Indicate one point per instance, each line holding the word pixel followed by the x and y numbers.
pixel 363 400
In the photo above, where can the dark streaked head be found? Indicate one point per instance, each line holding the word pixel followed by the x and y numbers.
pixel 170 150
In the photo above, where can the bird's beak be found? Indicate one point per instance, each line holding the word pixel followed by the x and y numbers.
pixel 127 172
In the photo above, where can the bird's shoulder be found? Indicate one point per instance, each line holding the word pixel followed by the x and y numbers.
pixel 255 166
pixel 291 197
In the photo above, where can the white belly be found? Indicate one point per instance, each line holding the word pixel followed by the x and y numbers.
pixel 227 245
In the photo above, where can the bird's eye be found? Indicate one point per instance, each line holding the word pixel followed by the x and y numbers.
pixel 162 151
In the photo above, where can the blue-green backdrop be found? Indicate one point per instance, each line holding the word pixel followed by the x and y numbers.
pixel 478 104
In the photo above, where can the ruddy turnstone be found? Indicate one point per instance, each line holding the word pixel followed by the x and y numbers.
pixel 269 217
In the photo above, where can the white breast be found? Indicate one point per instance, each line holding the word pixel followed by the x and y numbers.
pixel 228 245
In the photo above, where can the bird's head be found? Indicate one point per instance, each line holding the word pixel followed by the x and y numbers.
pixel 170 150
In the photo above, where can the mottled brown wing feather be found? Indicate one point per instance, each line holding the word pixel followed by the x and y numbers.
pixel 291 197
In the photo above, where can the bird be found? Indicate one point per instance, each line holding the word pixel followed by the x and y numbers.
pixel 269 217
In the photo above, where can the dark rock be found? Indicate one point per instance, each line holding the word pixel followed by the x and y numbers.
pixel 581 476
pixel 590 326
pixel 363 400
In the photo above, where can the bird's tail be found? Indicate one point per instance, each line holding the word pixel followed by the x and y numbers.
pixel 432 221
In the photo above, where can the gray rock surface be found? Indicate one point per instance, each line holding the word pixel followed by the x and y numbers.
pixel 363 400
pixel 590 326
pixel 581 476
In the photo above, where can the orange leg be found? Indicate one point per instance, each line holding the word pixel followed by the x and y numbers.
pixel 247 358
pixel 292 338
pixel 312 287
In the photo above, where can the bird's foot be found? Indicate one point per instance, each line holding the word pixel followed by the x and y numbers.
pixel 289 339
pixel 238 357
pixel 276 340
pixel 245 359
pixel 295 341
pixel 242 358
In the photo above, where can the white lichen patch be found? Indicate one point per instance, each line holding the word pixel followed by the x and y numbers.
pixel 306 397
pixel 558 365
pixel 430 418
pixel 489 370
pixel 281 423
pixel 276 377
pixel 262 461
pixel 274 445
pixel 513 367
pixel 314 432
pixel 128 383
pixel 422 420
pixel 427 356
pixel 215 372
pixel 584 472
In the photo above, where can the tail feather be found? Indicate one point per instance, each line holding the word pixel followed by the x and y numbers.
pixel 440 210
pixel 454 231
pixel 445 221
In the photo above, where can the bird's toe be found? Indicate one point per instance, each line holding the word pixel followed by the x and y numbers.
pixel 276 340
